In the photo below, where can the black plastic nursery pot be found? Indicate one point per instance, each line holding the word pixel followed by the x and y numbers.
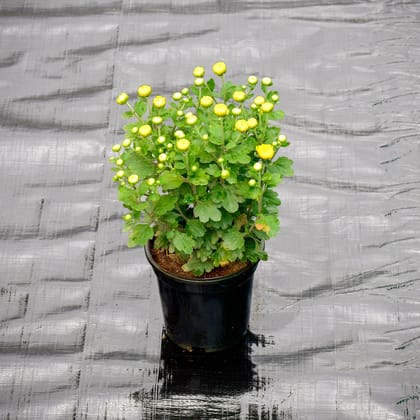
pixel 205 314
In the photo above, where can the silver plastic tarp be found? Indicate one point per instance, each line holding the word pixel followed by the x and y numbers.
pixel 336 310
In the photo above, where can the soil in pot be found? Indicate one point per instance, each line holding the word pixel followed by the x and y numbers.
pixel 173 264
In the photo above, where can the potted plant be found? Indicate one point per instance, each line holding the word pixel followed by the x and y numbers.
pixel 198 176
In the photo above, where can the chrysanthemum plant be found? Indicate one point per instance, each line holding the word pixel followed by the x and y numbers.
pixel 198 174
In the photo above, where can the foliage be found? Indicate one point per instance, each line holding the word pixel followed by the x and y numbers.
pixel 198 174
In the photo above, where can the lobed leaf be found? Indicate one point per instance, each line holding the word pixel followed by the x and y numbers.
pixel 206 210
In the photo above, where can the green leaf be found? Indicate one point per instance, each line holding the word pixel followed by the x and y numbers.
pixel 284 166
pixel 127 114
pixel 183 243
pixel 141 166
pixel 271 198
pixel 216 135
pixel 130 199
pixel 233 240
pixel 170 180
pixel 238 156
pixel 207 210
pixel 211 84
pixel 198 267
pixel 272 178
pixel 200 178
pixel 164 204
pixel 230 201
pixel 213 170
pixel 140 107
pixel 140 235
pixel 276 115
pixel 195 228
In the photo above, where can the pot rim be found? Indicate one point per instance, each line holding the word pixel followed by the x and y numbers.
pixel 209 280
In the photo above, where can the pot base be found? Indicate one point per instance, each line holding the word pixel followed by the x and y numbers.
pixel 191 349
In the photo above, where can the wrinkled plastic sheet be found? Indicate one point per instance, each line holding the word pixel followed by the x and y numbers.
pixel 335 324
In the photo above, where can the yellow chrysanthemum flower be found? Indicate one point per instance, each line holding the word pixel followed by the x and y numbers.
pixel 242 126
pixel 122 98
pixel 206 101
pixel 145 130
pixel 221 110
pixel 183 144
pixel 219 68
pixel 159 101
pixel 144 91
pixel 239 96
pixel 252 122
pixel 198 71
pixel 265 151
pixel 267 107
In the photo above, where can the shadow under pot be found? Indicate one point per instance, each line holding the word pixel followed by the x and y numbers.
pixel 210 314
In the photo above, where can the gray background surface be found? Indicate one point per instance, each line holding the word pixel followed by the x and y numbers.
pixel 336 309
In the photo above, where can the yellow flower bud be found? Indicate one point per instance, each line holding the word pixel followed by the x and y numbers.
pixel 257 166
pixel 198 71
pixel 191 120
pixel 259 100
pixel 219 68
pixel 120 174
pixel 179 134
pixel 183 144
pixel 122 98
pixel 239 96
pixel 199 81
pixel 144 91
pixel 252 182
pixel 185 91
pixel 224 174
pixel 282 138
pixel 252 80
pixel 119 162
pixel 267 107
pixel 241 125
pixel 151 181
pixel 252 122
pixel 236 111
pixel 266 81
pixel 265 151
pixel 116 147
pixel 157 120
pixel 177 96
pixel 133 179
pixel 221 110
pixel 206 101
pixel 162 157
pixel 145 130
pixel 161 139
pixel 159 101
pixel 126 142
pixel 275 98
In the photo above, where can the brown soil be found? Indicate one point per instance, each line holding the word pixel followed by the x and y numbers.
pixel 173 264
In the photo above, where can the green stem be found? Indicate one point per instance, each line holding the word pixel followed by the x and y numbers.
pixel 133 111
pixel 181 213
